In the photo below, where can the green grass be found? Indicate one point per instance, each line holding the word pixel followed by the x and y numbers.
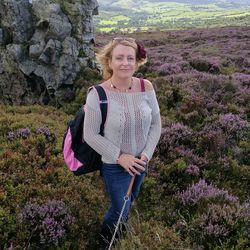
pixel 170 15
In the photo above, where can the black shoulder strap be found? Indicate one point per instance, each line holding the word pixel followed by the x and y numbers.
pixel 103 106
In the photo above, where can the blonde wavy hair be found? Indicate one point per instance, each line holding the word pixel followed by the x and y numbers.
pixel 105 54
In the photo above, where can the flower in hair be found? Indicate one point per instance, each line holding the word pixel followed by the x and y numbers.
pixel 141 51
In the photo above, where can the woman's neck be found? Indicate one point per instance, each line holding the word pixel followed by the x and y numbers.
pixel 122 84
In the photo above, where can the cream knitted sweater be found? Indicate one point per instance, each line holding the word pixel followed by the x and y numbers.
pixel 133 124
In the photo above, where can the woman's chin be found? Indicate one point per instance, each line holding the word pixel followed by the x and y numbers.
pixel 125 74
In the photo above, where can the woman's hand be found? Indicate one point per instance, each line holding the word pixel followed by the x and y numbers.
pixel 144 158
pixel 131 164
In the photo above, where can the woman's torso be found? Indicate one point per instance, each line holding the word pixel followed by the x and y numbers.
pixel 128 120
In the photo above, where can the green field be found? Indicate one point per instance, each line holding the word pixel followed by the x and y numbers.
pixel 167 16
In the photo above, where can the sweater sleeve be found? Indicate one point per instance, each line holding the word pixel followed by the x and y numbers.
pixel 155 128
pixel 91 129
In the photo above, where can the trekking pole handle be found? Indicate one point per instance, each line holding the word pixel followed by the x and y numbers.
pixel 130 186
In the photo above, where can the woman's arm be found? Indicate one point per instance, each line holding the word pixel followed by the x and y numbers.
pixel 155 127
pixel 91 129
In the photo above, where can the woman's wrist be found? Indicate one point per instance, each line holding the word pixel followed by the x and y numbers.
pixel 144 158
pixel 118 159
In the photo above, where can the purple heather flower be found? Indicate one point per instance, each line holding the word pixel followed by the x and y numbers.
pixel 192 170
pixel 243 79
pixel 174 135
pixel 191 156
pixel 202 190
pixel 11 247
pixel 245 215
pixel 44 131
pixel 216 230
pixel 232 123
pixel 219 220
pixel 47 133
pixel 168 69
pixel 11 136
pixel 49 221
pixel 23 132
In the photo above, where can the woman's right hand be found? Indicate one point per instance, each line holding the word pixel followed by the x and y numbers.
pixel 131 164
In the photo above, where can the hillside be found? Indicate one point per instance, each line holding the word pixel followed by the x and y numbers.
pixel 141 15
pixel 196 195
pixel 132 3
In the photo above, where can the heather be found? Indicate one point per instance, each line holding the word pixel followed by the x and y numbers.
pixel 196 195
pixel 47 223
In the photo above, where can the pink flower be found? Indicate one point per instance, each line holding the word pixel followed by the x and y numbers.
pixel 141 51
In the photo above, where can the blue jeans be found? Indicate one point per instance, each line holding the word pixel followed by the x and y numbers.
pixel 117 182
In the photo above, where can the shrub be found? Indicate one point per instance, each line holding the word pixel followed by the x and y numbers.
pixel 20 133
pixel 222 225
pixel 232 125
pixel 168 69
pixel 173 136
pixel 47 133
pixel 200 64
pixel 201 190
pixel 48 223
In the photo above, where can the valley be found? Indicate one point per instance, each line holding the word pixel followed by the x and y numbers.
pixel 133 16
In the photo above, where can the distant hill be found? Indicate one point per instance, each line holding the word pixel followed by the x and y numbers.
pixel 193 2
pixel 142 15
pixel 125 3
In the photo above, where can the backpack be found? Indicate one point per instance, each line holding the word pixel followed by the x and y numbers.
pixel 78 155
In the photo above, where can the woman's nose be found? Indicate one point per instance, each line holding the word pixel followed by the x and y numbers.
pixel 125 61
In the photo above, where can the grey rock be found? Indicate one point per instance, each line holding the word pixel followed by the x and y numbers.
pixel 1 68
pixel 81 13
pixel 28 67
pixel 17 18
pixel 83 62
pixel 88 51
pixel 52 20
pixel 1 37
pixel 70 47
pixel 44 48
pixel 16 51
pixel 67 71
pixel 14 87
pixel 59 27
pixel 38 36
pixel 36 50
pixel 50 54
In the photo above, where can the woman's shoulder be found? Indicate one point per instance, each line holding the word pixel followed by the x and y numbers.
pixel 148 85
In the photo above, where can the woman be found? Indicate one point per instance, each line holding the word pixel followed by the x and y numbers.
pixel 132 128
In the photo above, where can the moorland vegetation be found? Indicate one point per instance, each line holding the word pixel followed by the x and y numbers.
pixel 196 195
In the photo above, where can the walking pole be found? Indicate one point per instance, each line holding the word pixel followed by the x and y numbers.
pixel 126 198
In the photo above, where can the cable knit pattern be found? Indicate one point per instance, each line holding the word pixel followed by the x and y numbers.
pixel 133 124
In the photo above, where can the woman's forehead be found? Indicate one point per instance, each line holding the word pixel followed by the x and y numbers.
pixel 123 49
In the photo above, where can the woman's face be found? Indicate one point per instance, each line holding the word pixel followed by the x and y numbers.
pixel 123 61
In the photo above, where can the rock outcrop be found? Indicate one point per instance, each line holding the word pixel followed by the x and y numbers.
pixel 43 46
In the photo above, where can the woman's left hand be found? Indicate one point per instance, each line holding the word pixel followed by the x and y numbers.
pixel 144 158
pixel 131 164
